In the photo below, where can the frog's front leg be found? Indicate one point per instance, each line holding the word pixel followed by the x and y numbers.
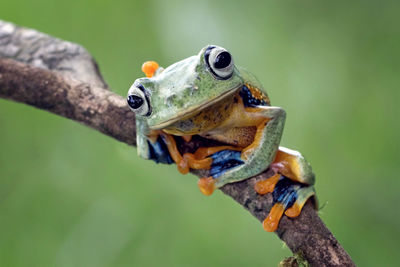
pixel 257 156
pixel 235 165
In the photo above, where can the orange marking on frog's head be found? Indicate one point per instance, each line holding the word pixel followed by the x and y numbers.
pixel 149 68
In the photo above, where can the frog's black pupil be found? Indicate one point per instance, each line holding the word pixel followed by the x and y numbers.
pixel 135 101
pixel 222 60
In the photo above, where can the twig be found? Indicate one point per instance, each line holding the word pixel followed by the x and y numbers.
pixel 62 78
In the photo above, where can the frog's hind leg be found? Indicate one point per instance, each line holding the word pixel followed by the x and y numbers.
pixel 291 186
pixel 289 197
pixel 291 164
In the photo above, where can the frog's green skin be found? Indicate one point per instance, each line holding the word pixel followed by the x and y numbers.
pixel 189 98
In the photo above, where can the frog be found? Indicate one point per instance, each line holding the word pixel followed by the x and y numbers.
pixel 208 95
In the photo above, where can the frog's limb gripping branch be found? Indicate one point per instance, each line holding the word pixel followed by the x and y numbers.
pixel 62 78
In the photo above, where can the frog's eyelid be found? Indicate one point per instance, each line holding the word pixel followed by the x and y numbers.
pixel 207 59
pixel 141 87
pixel 146 95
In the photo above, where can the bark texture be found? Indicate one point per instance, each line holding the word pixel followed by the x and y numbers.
pixel 62 78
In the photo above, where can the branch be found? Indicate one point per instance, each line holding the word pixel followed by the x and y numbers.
pixel 62 78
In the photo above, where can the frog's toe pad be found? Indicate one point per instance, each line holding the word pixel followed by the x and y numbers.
pixel 158 151
pixel 289 198
pixel 270 224
pixel 223 161
pixel 206 185
pixel 267 186
pixel 303 194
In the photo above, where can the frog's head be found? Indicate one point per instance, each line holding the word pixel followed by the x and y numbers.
pixel 185 87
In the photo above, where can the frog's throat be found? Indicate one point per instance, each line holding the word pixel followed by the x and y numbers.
pixel 193 110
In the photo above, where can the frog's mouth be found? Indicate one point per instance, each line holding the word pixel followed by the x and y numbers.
pixel 193 110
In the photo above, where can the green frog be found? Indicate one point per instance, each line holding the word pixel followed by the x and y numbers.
pixel 207 95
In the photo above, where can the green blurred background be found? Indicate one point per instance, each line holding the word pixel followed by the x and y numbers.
pixel 70 196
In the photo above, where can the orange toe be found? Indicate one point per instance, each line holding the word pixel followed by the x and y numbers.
pixel 183 166
pixel 293 211
pixel 271 223
pixel 197 164
pixel 267 186
pixel 206 185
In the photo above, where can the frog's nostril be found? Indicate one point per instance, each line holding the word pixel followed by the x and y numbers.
pixel 135 101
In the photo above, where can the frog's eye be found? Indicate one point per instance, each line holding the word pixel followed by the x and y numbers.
pixel 138 100
pixel 219 62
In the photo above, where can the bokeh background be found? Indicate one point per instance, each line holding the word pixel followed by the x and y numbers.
pixel 70 196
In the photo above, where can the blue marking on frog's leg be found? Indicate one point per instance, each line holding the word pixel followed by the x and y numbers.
pixel 285 192
pixel 223 161
pixel 158 151
pixel 293 195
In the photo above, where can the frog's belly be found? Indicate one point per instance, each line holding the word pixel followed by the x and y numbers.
pixel 237 136
pixel 227 121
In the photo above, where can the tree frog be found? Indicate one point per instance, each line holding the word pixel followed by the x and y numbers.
pixel 209 96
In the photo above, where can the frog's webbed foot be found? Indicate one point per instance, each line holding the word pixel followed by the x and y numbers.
pixel 289 198
pixel 292 165
pixel 291 186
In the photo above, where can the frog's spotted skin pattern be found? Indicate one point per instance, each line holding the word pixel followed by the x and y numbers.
pixel 208 95
pixel 253 97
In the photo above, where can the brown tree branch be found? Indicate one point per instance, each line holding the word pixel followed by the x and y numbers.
pixel 70 85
